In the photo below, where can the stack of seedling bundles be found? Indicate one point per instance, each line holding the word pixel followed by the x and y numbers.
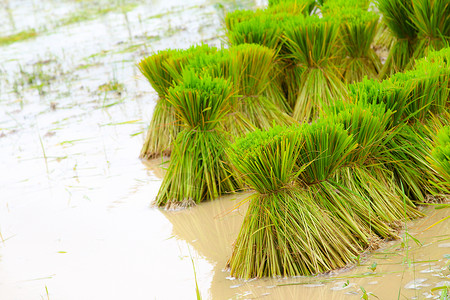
pixel 326 190
pixel 357 31
pixel 248 27
pixel 327 149
pixel 418 27
pixel 247 67
pixel 161 69
pixel 198 169
pixel 364 174
pixel 250 67
pixel 311 45
pixel 416 97
pixel 285 231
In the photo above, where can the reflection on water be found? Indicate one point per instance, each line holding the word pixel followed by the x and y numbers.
pixel 75 215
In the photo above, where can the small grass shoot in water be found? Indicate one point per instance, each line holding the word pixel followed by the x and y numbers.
pixel 20 36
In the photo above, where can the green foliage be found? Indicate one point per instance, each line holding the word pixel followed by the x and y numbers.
pixel 262 29
pixel 367 123
pixel 310 43
pixel 427 92
pixel 201 102
pixel 20 36
pixel 284 232
pixel 235 17
pixel 431 18
pixel 266 159
pixel 295 7
pixel 163 70
pixel 391 95
pixel 441 151
pixel 357 31
pixel 198 169
pixel 215 64
pixel 249 68
pixel 397 16
pixel 153 68
pixel 326 148
pixel 341 6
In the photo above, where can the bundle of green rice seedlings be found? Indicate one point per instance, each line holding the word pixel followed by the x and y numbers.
pixel 397 16
pixel 265 30
pixel 428 92
pixel 249 70
pixel 198 168
pixel 153 69
pixel 326 149
pixel 392 95
pixel 262 29
pixel 432 20
pixel 441 152
pixel 364 174
pixel 357 32
pixel 311 44
pixel 285 232
pixel 344 4
pixel 162 70
pixel 438 61
pixel 406 152
pixel 235 17
pixel 214 64
pixel 295 7
pixel 407 159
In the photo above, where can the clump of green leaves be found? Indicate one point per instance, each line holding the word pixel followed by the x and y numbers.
pixel 419 27
pixel 441 152
pixel 284 232
pixel 198 169
pixel 397 16
pixel 249 67
pixel 163 69
pixel 310 43
pixel 357 31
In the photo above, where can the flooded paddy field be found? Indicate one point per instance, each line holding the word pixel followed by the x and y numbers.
pixel 75 215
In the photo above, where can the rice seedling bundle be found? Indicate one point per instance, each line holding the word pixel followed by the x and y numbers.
pixel 410 99
pixel 397 16
pixel 336 6
pixel 408 159
pixel 162 70
pixel 214 64
pixel 249 70
pixel 264 29
pixel 441 152
pixel 432 20
pixel 285 232
pixel 295 7
pixel 198 168
pixel 428 92
pixel 439 61
pixel 393 96
pixel 235 17
pixel 326 149
pixel 357 32
pixel 311 44
pixel 364 174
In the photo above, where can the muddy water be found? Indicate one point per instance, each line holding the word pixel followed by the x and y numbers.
pixel 75 219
